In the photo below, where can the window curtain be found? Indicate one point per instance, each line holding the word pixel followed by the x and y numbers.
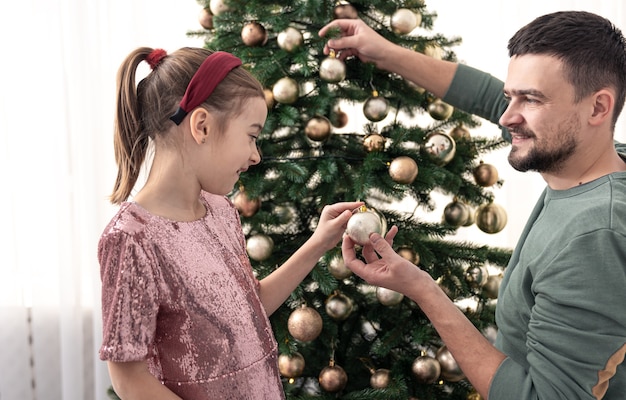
pixel 59 61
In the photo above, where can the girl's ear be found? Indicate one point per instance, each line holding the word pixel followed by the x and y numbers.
pixel 199 123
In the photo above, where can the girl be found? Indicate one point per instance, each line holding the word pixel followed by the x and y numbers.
pixel 183 315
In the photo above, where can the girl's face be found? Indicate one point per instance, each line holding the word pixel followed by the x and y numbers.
pixel 232 152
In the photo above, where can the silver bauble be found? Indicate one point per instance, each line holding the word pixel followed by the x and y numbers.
pixel 290 39
pixel 388 297
pixel 450 370
pixel 332 69
pixel 362 224
pixel 259 247
pixel 286 90
pixel 440 110
pixel 217 7
pixel 426 369
pixel 376 108
pixel 337 268
pixel 403 21
pixel 318 128
pixel 380 378
pixel 338 306
pixel 440 147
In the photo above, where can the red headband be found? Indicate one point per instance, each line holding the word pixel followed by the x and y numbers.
pixel 212 71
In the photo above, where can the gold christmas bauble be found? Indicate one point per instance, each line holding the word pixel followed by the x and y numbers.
pixel 305 324
pixel 434 50
pixel 374 142
pixel 440 110
pixel 388 297
pixel 440 147
pixel 490 218
pixel 362 224
pixel 218 6
pixel 450 370
pixel 290 39
pixel 247 207
pixel 333 378
pixel 460 132
pixel 380 378
pixel 476 276
pixel 456 213
pixel 337 268
pixel 492 286
pixel 426 369
pixel 376 108
pixel 332 69
pixel 485 174
pixel 205 18
pixel 403 169
pixel 286 90
pixel 269 98
pixel 259 247
pixel 409 254
pixel 338 306
pixel 318 128
pixel 254 34
pixel 403 21
pixel 291 365
pixel 345 10
pixel 338 118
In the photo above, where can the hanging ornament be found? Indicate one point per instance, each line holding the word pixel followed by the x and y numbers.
pixel 338 306
pixel 471 215
pixel 338 118
pixel 332 69
pixel 485 174
pixel 376 107
pixel 426 369
pixel 254 34
pixel 333 378
pixel 369 331
pixel 388 297
pixel 456 213
pixel 269 98
pixel 492 286
pixel 291 365
pixel 474 395
pixel 450 370
pixel 318 128
pixel 476 276
pixel 403 21
pixel 409 254
pixel 259 247
pixel 434 50
pixel 460 132
pixel 246 206
pixel 290 39
pixel 363 223
pixel 345 10
pixel 491 218
pixel 440 110
pixel 440 146
pixel 286 90
pixel 380 378
pixel 218 6
pixel 305 323
pixel 403 169
pixel 337 268
pixel 374 142
pixel 205 18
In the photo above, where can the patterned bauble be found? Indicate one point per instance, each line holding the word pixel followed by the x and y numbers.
pixel 403 169
pixel 403 21
pixel 332 69
pixel 290 39
pixel 380 378
pixel 254 34
pixel 291 365
pixel 286 90
pixel 426 369
pixel 376 107
pixel 491 218
pixel 259 247
pixel 318 128
pixel 338 306
pixel 450 370
pixel 485 174
pixel 440 147
pixel 333 378
pixel 305 323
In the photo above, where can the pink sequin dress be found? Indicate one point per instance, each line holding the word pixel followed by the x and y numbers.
pixel 182 296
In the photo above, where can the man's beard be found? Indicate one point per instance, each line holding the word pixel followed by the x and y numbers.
pixel 548 154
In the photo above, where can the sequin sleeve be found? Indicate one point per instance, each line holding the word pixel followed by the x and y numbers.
pixel 129 296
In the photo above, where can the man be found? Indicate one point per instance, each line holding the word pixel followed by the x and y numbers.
pixel 561 310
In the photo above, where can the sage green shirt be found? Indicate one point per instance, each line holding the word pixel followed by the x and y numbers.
pixel 561 311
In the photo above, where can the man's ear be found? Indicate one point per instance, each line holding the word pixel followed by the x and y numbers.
pixel 200 123
pixel 603 106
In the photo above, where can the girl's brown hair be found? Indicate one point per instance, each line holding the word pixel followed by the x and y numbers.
pixel 143 110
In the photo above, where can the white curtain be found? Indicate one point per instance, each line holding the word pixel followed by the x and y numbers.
pixel 57 80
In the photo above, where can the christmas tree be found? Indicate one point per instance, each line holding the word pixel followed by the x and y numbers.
pixel 345 131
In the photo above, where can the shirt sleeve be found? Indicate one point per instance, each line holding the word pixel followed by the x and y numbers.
pixel 478 93
pixel 577 330
pixel 129 297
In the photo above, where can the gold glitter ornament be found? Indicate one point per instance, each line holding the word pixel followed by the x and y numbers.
pixel 286 90
pixel 403 169
pixel 305 323
pixel 362 224
pixel 332 69
pixel 333 378
pixel 259 247
pixel 450 370
pixel 290 39
pixel 376 107
pixel 426 369
pixel 291 365
pixel 380 378
pixel 318 128
pixel 403 21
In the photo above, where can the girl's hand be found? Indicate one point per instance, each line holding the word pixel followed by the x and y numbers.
pixel 333 222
